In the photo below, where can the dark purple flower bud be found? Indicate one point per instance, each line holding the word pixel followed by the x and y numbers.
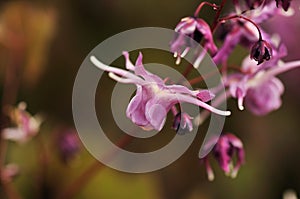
pixel 261 51
pixel 68 145
pixel 182 122
pixel 285 4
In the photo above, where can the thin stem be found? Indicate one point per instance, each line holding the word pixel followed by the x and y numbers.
pixel 90 172
pixel 216 19
pixel 188 69
pixel 201 78
pixel 10 91
pixel 244 18
pixel 214 6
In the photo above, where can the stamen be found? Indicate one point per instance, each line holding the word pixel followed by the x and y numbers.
pixel 199 58
pixel 185 52
pixel 240 103
pixel 209 171
pixel 178 60
pixel 175 54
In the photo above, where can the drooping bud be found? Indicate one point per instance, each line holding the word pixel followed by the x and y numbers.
pixel 261 51
pixel 226 147
pixel 224 150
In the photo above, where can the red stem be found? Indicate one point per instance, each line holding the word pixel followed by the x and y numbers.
pixel 201 78
pixel 196 13
pixel 244 18
pixel 216 19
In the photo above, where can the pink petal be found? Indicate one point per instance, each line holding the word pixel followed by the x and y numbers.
pixel 156 115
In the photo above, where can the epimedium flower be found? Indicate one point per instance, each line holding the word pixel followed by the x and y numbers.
pixel 265 97
pixel 224 150
pixel 26 125
pixel 261 51
pixel 196 29
pixel 261 90
pixel 153 99
pixel 243 32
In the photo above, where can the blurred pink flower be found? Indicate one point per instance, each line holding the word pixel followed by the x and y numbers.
pixel 8 172
pixel 265 97
pixel 68 144
pixel 260 88
pixel 27 126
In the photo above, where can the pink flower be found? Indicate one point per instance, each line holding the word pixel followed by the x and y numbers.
pixel 226 147
pixel 261 92
pixel 265 97
pixel 196 29
pixel 153 99
pixel 260 89
pixel 244 33
pixel 27 126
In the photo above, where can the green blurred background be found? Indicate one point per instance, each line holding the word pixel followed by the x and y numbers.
pixel 57 36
